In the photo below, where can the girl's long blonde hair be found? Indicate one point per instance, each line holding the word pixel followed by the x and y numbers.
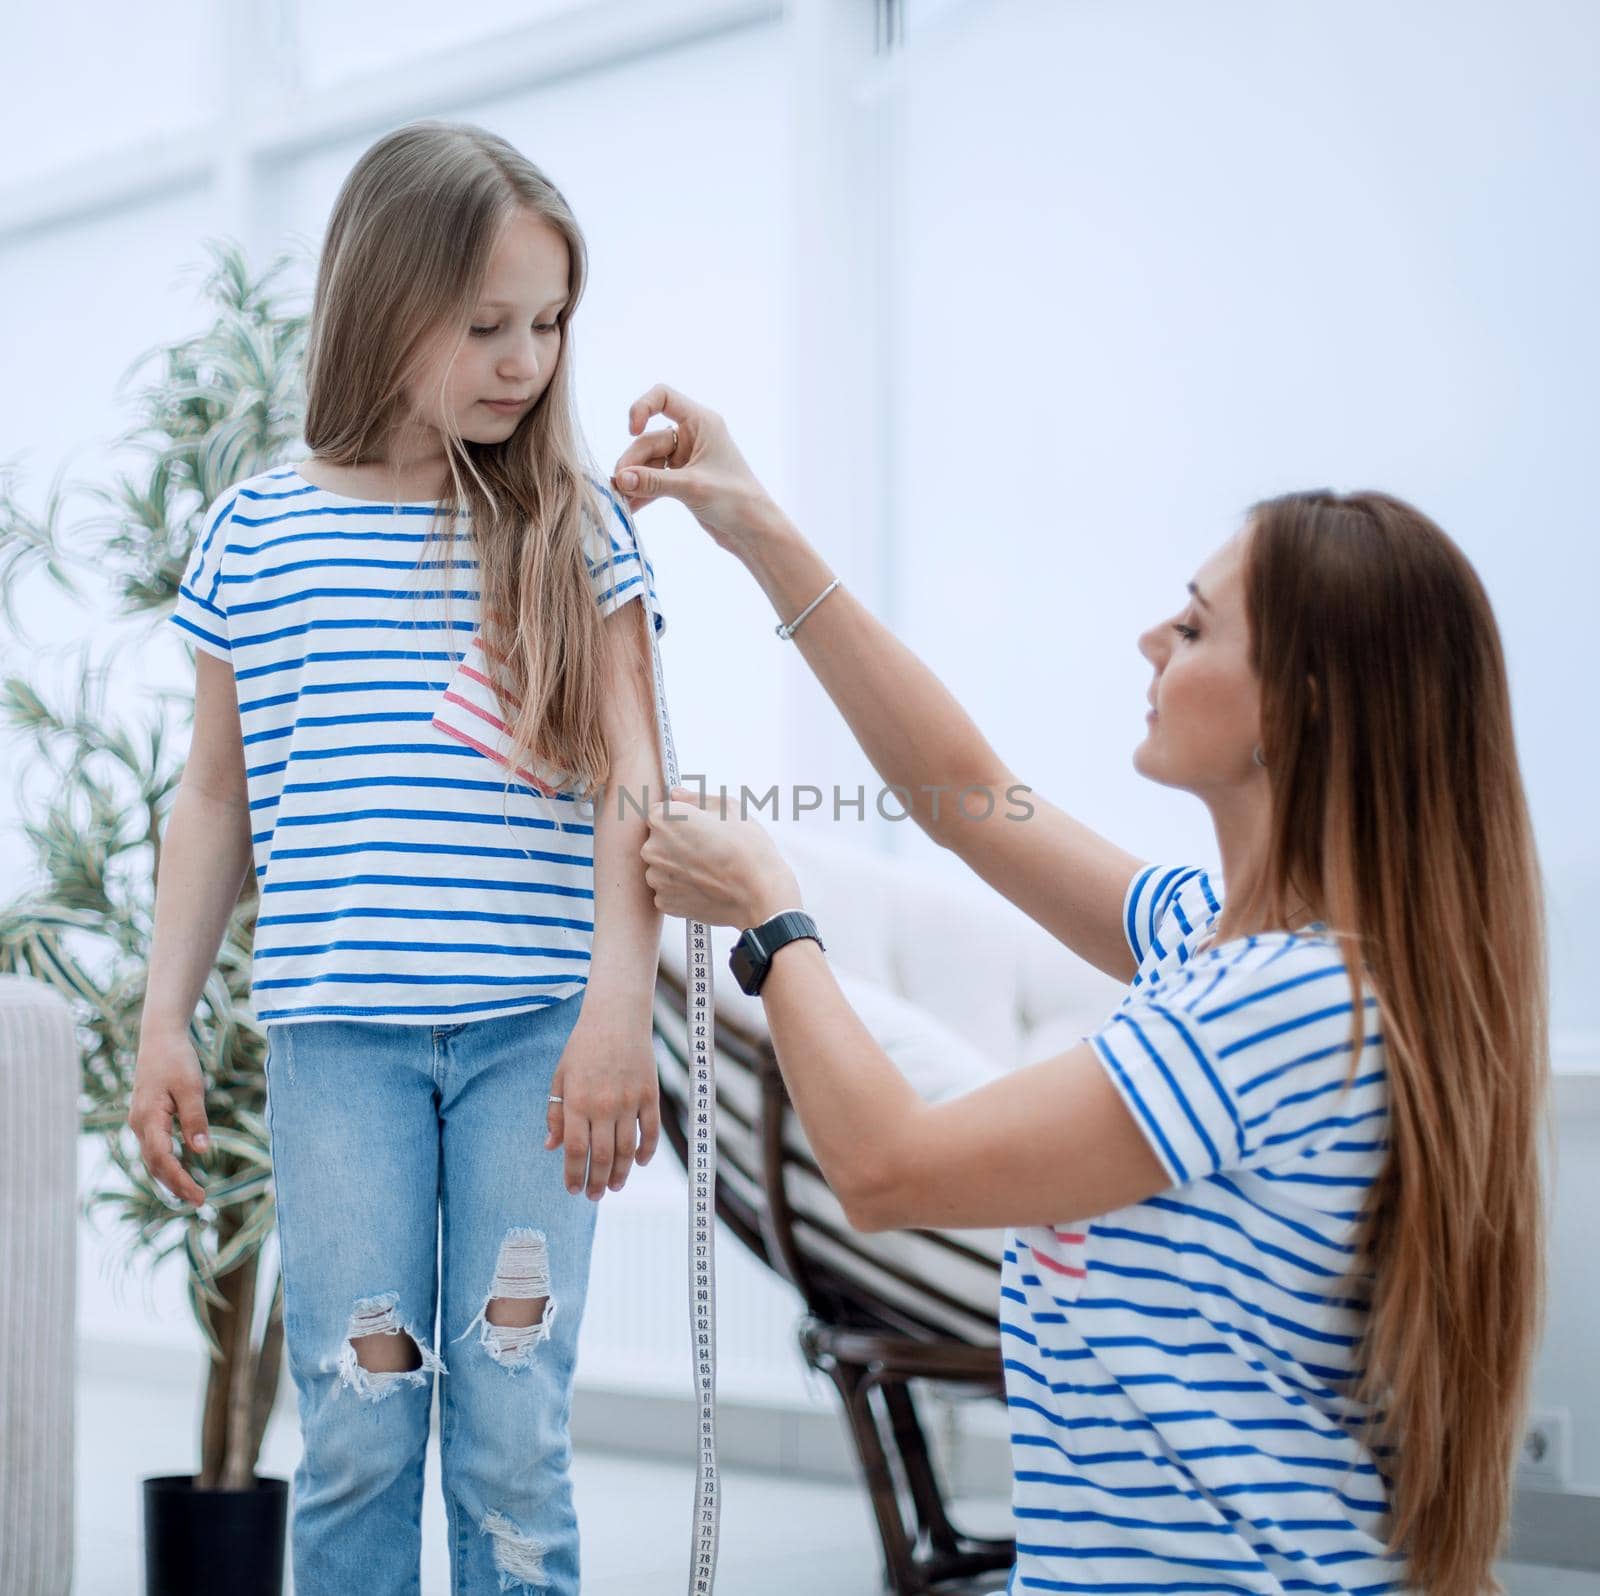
pixel 403 261
pixel 1398 810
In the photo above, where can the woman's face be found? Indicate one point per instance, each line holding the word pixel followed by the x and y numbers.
pixel 1207 704
pixel 513 343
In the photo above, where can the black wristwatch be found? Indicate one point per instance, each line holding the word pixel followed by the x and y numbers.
pixel 752 953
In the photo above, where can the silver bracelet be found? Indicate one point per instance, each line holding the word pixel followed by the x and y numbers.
pixel 788 631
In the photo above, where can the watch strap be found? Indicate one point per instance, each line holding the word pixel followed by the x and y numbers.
pixel 760 942
pixel 786 926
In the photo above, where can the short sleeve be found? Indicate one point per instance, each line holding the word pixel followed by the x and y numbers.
pixel 200 611
pixel 618 566
pixel 1153 896
pixel 1242 1060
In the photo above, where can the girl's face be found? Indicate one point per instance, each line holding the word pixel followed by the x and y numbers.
pixel 1207 703
pixel 513 343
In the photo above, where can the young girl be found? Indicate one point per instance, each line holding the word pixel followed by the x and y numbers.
pixel 1273 1275
pixel 455 951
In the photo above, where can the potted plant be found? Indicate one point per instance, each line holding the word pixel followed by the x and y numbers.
pixel 225 403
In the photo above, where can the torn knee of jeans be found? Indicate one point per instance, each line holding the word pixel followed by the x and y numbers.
pixel 518 1557
pixel 376 1316
pixel 521 1276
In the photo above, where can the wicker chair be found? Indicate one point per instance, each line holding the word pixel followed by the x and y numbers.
pixel 957 986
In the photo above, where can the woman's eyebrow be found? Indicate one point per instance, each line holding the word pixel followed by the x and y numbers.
pixel 1199 595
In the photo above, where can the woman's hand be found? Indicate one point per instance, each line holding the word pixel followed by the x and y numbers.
pixel 705 863
pixel 697 463
pixel 167 1083
pixel 610 1113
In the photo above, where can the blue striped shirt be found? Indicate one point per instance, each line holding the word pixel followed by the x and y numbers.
pixel 400 880
pixel 1178 1371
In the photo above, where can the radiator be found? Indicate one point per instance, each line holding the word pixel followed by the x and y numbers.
pixel 39 1077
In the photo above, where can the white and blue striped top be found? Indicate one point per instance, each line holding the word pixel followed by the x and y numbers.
pixel 399 879
pixel 1178 1372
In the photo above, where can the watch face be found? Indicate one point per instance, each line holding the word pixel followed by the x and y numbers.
pixel 742 965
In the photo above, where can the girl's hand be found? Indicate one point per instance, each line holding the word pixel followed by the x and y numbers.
pixel 167 1083
pixel 610 1113
pixel 705 862
pixel 697 463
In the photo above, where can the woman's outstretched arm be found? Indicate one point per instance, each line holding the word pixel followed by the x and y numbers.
pixel 1051 1142
pixel 1054 868
pixel 1057 870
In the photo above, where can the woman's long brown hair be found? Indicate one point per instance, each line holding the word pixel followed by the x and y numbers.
pixel 1398 810
pixel 403 260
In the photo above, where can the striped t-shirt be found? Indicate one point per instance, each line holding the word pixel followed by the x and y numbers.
pixel 399 879
pixel 1178 1371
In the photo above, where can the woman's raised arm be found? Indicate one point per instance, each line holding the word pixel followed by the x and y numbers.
pixel 920 740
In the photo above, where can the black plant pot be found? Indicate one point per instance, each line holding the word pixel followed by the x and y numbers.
pixel 200 1542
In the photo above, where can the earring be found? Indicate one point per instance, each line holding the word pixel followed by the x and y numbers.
pixel 1259 760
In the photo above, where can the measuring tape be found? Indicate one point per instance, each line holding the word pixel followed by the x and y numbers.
pixel 702 1142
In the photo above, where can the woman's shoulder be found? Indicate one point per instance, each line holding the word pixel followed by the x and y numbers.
pixel 1233 989
pixel 1261 1000
pixel 1242 1055
pixel 1170 915
pixel 1285 964
pixel 1168 908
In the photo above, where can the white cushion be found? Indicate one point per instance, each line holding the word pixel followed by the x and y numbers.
pixel 936 1061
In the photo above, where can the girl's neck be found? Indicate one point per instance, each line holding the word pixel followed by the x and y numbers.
pixel 413 465
pixel 376 479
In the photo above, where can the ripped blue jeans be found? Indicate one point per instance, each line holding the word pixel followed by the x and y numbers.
pixel 402 1152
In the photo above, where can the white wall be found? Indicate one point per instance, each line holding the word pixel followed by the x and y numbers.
pixel 77 86
pixel 1159 260
pixel 79 304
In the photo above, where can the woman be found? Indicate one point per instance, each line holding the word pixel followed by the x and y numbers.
pixel 1273 1268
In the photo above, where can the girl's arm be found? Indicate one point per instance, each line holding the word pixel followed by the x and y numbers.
pixel 611 1113
pixel 206 856
pixel 1064 875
